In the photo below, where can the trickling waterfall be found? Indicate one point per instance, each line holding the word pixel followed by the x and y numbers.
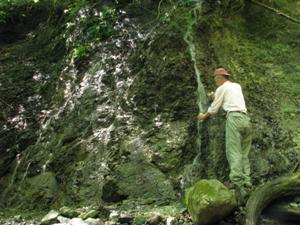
pixel 201 95
pixel 25 173
pixel 44 167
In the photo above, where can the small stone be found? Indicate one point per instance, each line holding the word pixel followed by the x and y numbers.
pixel 51 217
pixel 114 215
pixel 18 218
pixel 92 221
pixel 89 214
pixel 62 219
pixel 110 223
pixel 77 221
pixel 170 220
pixel 68 212
pixel 125 217
pixel 156 219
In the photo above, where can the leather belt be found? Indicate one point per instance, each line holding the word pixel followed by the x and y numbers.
pixel 237 112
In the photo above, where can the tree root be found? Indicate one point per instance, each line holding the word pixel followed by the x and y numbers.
pixel 263 195
pixel 283 210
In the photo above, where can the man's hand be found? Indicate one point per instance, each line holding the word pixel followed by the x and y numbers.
pixel 211 95
pixel 202 116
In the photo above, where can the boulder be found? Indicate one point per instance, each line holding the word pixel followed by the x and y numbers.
pixel 209 201
pixel 50 218
pixel 68 212
pixel 40 190
pixel 137 178
pixel 63 220
pixel 89 214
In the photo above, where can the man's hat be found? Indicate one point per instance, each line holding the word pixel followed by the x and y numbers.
pixel 220 71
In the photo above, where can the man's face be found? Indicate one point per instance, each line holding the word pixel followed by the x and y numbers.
pixel 219 80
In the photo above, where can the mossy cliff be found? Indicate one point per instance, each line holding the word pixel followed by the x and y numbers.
pixel 100 97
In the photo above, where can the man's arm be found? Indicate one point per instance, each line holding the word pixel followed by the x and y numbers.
pixel 203 116
pixel 215 105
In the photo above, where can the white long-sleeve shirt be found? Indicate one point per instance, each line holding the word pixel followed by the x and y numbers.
pixel 230 96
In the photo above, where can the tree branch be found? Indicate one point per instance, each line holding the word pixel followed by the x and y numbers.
pixel 263 195
pixel 276 11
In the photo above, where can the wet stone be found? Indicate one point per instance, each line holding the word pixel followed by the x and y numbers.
pixel 92 221
pixel 171 220
pixel 89 214
pixel 68 212
pixel 154 220
pixel 50 218
pixel 125 217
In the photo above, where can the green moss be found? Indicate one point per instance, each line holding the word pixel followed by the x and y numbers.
pixel 34 216
pixel 256 48
pixel 140 179
pixel 209 201
pixel 89 214
pixel 40 190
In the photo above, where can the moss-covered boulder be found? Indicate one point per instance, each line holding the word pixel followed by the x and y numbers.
pixel 138 178
pixel 68 212
pixel 89 214
pixel 209 201
pixel 41 189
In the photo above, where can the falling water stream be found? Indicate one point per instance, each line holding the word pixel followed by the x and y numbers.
pixel 201 95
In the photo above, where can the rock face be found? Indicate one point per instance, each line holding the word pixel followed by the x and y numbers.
pixel 209 201
pixel 121 125
pixel 140 179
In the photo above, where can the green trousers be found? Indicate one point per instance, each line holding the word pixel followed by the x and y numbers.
pixel 238 144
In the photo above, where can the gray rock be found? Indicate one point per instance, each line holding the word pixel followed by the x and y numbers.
pixel 114 215
pixel 110 223
pixel 77 221
pixel 125 217
pixel 171 220
pixel 18 218
pixel 62 219
pixel 92 221
pixel 68 212
pixel 155 219
pixel 51 217
pixel 138 178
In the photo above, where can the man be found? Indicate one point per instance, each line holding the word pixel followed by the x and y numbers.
pixel 238 129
